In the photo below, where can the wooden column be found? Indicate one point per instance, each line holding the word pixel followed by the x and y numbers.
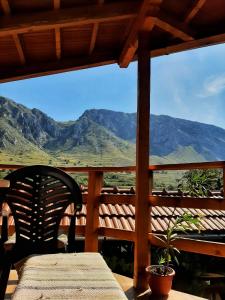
pixel 142 212
pixel 224 183
pixel 95 181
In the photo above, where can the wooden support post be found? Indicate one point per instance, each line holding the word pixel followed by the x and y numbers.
pixel 224 183
pixel 95 181
pixel 142 211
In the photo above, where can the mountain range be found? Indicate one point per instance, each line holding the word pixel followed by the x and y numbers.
pixel 101 132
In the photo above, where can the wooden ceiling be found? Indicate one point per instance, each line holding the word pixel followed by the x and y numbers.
pixel 51 36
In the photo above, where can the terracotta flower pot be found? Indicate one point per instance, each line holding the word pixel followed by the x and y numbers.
pixel 160 285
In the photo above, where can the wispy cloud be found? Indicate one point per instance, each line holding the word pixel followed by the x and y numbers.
pixel 213 85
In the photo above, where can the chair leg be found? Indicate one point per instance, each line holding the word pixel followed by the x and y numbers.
pixel 4 277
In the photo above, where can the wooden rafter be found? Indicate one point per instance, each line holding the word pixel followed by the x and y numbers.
pixel 131 43
pixel 197 5
pixel 19 48
pixel 7 12
pixel 57 33
pixel 174 27
pixel 58 43
pixel 54 67
pixel 67 17
pixel 56 4
pixel 207 41
pixel 93 37
pixel 6 7
pixel 94 32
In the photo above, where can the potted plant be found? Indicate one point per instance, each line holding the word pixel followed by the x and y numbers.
pixel 161 275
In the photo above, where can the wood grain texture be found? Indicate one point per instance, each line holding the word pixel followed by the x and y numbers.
pixel 141 251
pixel 195 246
pixel 130 45
pixel 194 9
pixel 67 17
pixel 95 182
pixel 188 202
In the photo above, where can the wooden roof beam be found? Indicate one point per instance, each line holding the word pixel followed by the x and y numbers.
pixel 131 42
pixel 55 67
pixel 58 50
pixel 94 31
pixel 19 48
pixel 56 4
pixel 7 12
pixel 6 7
pixel 194 9
pixel 67 17
pixel 174 27
pixel 203 42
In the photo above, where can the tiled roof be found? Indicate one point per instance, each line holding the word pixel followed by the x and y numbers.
pixel 122 216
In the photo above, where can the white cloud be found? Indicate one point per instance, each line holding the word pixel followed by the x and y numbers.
pixel 213 85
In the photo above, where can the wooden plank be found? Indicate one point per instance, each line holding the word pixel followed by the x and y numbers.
pixel 95 182
pixel 131 43
pixel 194 9
pixel 55 67
pixel 77 169
pixel 7 12
pixel 132 294
pixel 19 48
pixel 6 7
pixel 224 182
pixel 118 199
pixel 58 43
pixel 77 16
pixel 197 43
pixel 175 28
pixel 94 31
pixel 4 183
pixel 194 246
pixel 189 166
pixel 119 234
pixel 188 202
pixel 93 37
pixel 56 4
pixel 141 250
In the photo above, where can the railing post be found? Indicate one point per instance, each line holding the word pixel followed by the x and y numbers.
pixel 95 181
pixel 142 214
pixel 223 182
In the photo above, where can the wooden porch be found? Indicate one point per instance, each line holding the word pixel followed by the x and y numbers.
pixel 126 284
pixel 47 37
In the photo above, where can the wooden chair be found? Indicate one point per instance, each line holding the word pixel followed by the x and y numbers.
pixel 38 197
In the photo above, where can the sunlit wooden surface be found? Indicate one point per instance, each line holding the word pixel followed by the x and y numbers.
pixel 127 285
pixel 125 282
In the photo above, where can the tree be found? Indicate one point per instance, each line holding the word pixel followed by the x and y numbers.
pixel 200 182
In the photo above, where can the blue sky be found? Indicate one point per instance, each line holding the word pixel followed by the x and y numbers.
pixel 189 85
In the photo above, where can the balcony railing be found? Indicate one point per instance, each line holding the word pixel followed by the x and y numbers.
pixel 94 196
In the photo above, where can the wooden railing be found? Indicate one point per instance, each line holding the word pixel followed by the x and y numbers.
pixel 94 197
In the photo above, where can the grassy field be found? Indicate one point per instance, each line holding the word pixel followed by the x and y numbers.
pixel 161 179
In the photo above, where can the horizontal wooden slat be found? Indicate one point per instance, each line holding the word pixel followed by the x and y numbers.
pixel 198 43
pixel 188 202
pixel 67 17
pixel 116 233
pixel 195 246
pixel 188 166
pixel 117 199
pixel 77 169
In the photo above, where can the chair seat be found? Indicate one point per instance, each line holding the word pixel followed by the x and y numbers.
pixel 67 276
pixel 10 243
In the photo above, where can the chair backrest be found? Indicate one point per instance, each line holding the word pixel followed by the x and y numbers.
pixel 38 197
